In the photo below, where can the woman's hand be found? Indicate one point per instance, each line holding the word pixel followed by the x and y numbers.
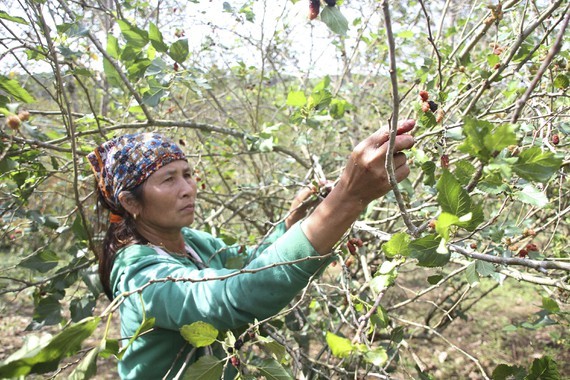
pixel 364 179
pixel 308 197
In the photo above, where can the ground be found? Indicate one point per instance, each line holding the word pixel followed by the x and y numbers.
pixel 479 333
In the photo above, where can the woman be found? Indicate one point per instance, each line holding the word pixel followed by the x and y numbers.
pixel 147 183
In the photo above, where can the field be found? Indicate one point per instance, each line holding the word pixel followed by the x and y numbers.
pixel 481 333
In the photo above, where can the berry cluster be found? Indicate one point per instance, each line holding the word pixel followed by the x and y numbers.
pixel 431 106
pixel 14 121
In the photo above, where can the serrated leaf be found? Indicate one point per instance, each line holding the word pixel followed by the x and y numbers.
pixel 208 367
pixel 135 37
pixel 42 261
pixel 274 348
pixel 66 343
pixel 179 50
pixel 397 245
pixel 335 20
pixel 535 165
pixel 500 138
pixel 13 88
pixel 156 40
pixel 340 347
pixel 506 372
pixel 475 132
pixel 471 274
pixel 296 99
pixel 376 356
pixel 484 268
pixel 455 200
pixel 544 368
pixel 425 250
pixel 19 20
pixel 529 194
pixel 428 168
pixel 444 222
pixel 561 81
pixel 272 370
pixel 87 368
pixel 550 305
pixel 199 334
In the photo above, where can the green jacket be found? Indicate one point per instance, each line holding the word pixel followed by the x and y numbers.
pixel 228 304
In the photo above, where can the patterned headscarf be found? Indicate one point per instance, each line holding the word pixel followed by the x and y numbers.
pixel 127 161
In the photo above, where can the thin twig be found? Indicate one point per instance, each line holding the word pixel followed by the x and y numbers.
pixel 551 54
pixel 394 121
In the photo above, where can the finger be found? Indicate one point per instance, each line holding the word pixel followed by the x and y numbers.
pixel 406 126
pixel 402 173
pixel 403 142
pixel 399 159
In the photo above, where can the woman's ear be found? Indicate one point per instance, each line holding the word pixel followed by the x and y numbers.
pixel 129 203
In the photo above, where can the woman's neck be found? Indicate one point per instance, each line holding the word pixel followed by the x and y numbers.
pixel 172 241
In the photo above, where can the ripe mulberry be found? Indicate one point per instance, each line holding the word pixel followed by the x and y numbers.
pixel 314 8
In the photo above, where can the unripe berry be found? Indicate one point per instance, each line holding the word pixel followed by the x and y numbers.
pixel 425 107
pixel 13 122
pixel 24 115
pixel 444 161
pixel 424 95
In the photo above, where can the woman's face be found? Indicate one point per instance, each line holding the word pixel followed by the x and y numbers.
pixel 169 196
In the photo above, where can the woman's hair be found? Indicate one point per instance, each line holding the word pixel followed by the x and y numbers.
pixel 119 235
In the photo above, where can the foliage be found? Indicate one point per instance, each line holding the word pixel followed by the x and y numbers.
pixel 265 102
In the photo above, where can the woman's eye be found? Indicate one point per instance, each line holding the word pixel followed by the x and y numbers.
pixel 168 179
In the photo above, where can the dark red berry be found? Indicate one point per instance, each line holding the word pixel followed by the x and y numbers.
pixel 532 247
pixel 555 139
pixel 238 344
pixel 473 245
pixel 351 247
pixel 235 361
pixel 424 95
pixel 251 334
pixel 314 8
pixel 523 253
pixel 432 105
pixel 176 66
pixel 444 161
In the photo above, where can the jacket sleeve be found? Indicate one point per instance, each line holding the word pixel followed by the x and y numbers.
pixel 225 298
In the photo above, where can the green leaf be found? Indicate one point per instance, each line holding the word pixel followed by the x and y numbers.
pixel 428 168
pixel 335 20
pixel 532 196
pixel 544 368
pixel 273 347
pixel 471 274
pixel 561 81
pixel 136 38
pixel 500 138
pixel 484 268
pixel 87 368
pixel 14 89
pixel 340 347
pixel 156 40
pixel 113 77
pixel 113 47
pixel 475 132
pixel 199 334
pixel 550 305
pixel 397 245
pixel 6 16
pixel 432 280
pixel 46 359
pixel 208 367
pixel 179 50
pixel 425 250
pixel 464 171
pixel 385 276
pixel 272 370
pixel 455 200
pixel 42 261
pixel 506 372
pixel 535 165
pixel 296 99
pixel 444 222
pixel 376 356
pixel 493 59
